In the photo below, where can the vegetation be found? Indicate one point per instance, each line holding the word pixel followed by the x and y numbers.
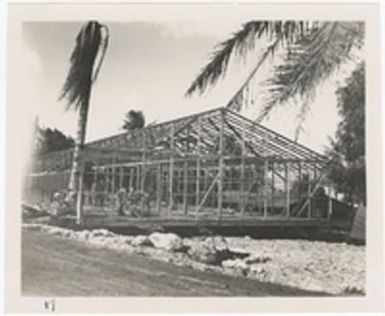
pixel 47 140
pixel 91 44
pixel 133 119
pixel 312 53
pixel 348 147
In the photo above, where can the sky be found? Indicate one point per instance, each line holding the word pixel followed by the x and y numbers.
pixel 149 66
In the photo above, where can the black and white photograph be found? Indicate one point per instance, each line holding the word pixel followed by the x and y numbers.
pixel 192 151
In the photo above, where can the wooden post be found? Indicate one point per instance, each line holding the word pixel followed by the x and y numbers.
pixel 309 196
pixel 143 175
pixel 242 177
pixel 287 190
pixel 330 203
pixel 205 178
pixel 171 169
pixel 138 177
pixel 95 186
pixel 185 187
pixel 158 187
pixel 198 167
pixel 131 179
pixel 113 174
pixel 272 186
pixel 105 200
pixel 220 165
pixel 266 169
pixel 315 175
pixel 121 177
pixel 299 185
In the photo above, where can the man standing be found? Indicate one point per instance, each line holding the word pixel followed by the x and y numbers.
pixel 121 201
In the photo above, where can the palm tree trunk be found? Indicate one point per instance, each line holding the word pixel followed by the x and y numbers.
pixel 77 160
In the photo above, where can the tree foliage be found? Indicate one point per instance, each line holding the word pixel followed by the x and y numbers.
pixel 85 62
pixel 241 42
pixel 133 119
pixel 89 44
pixel 312 53
pixel 48 140
pixel 308 63
pixel 348 147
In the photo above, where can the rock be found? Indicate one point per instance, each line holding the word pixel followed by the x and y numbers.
pixel 257 259
pixel 67 233
pixel 56 231
pixel 84 234
pixel 101 233
pixel 141 240
pixel 203 252
pixel 170 241
pixel 257 269
pixel 127 239
pixel 218 242
pixel 238 265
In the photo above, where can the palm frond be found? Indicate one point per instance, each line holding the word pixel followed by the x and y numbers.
pixel 309 62
pixel 241 42
pixel 81 73
pixel 103 50
pixel 236 102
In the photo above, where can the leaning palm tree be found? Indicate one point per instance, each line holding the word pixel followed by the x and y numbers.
pixel 312 53
pixel 85 62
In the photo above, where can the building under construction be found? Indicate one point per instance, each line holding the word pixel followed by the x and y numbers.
pixel 216 166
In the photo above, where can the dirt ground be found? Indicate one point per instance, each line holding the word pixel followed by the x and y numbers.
pixel 326 267
pixel 57 266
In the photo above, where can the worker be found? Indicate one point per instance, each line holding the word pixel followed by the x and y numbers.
pixel 121 201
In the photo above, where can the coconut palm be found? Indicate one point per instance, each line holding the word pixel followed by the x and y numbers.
pixel 133 119
pixel 85 62
pixel 312 53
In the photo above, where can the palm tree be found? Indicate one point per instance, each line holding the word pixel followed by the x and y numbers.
pixel 133 119
pixel 312 53
pixel 91 44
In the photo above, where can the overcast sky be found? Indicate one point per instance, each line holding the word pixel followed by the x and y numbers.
pixel 148 67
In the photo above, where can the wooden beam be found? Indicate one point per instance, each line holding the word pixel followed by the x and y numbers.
pixel 299 180
pixel 121 177
pixel 242 177
pixel 159 187
pixel 113 173
pixel 309 196
pixel 143 167
pixel 280 139
pixel 131 179
pixel 287 190
pixel 185 187
pixel 242 137
pixel 198 166
pixel 330 203
pixel 265 171
pixel 171 169
pixel 272 186
pixel 138 177
pixel 220 166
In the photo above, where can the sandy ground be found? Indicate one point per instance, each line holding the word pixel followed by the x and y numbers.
pixel 54 265
pixel 334 268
